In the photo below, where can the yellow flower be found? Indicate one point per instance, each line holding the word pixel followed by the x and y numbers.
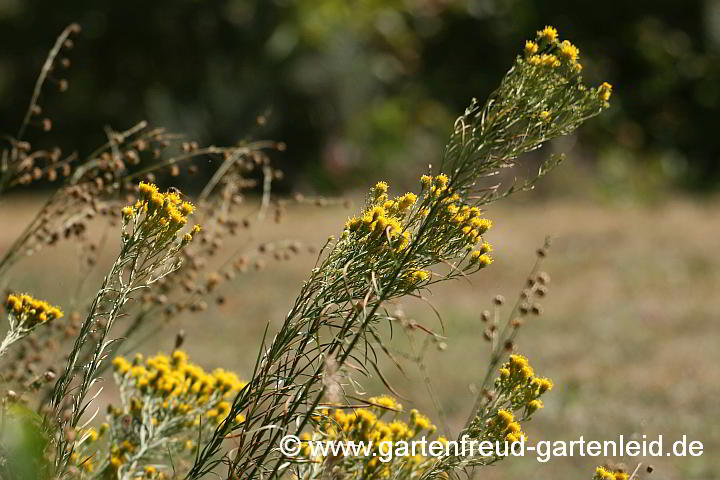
pixel 569 51
pixel 147 190
pixel 543 384
pixel 535 405
pixel 482 225
pixel 406 201
pixel 504 418
pixel 531 48
pixel 418 276
pixel 441 181
pixel 603 474
pixel 544 115
pixel 187 208
pixel 549 60
pixel 605 91
pixel 128 212
pixel 481 259
pixel 386 401
pixel 548 34
pixel 420 421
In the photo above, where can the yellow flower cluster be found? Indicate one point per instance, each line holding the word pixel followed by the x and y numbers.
pixel 165 212
pixel 545 60
pixel 548 51
pixel 464 219
pixel 547 34
pixel 480 256
pixel 175 377
pixel 388 224
pixel 120 454
pixel 30 312
pixel 517 379
pixel 367 425
pixel 602 473
pixel 170 392
pixel 383 219
pixel 504 427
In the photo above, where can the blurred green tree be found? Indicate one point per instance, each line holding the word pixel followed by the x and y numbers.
pixel 358 84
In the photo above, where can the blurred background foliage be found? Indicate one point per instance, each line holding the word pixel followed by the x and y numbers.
pixel 355 87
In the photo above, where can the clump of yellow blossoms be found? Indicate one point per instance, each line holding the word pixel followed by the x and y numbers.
pixel 29 312
pixel 167 400
pixel 388 225
pixel 548 51
pixel 602 473
pixel 380 424
pixel 24 314
pixel 518 382
pixel 383 221
pixel 163 213
pixel 517 397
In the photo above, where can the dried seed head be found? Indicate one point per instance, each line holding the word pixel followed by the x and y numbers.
pixel 485 316
pixel 536 309
pixel 499 300
pixel 543 278
pixel 179 339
